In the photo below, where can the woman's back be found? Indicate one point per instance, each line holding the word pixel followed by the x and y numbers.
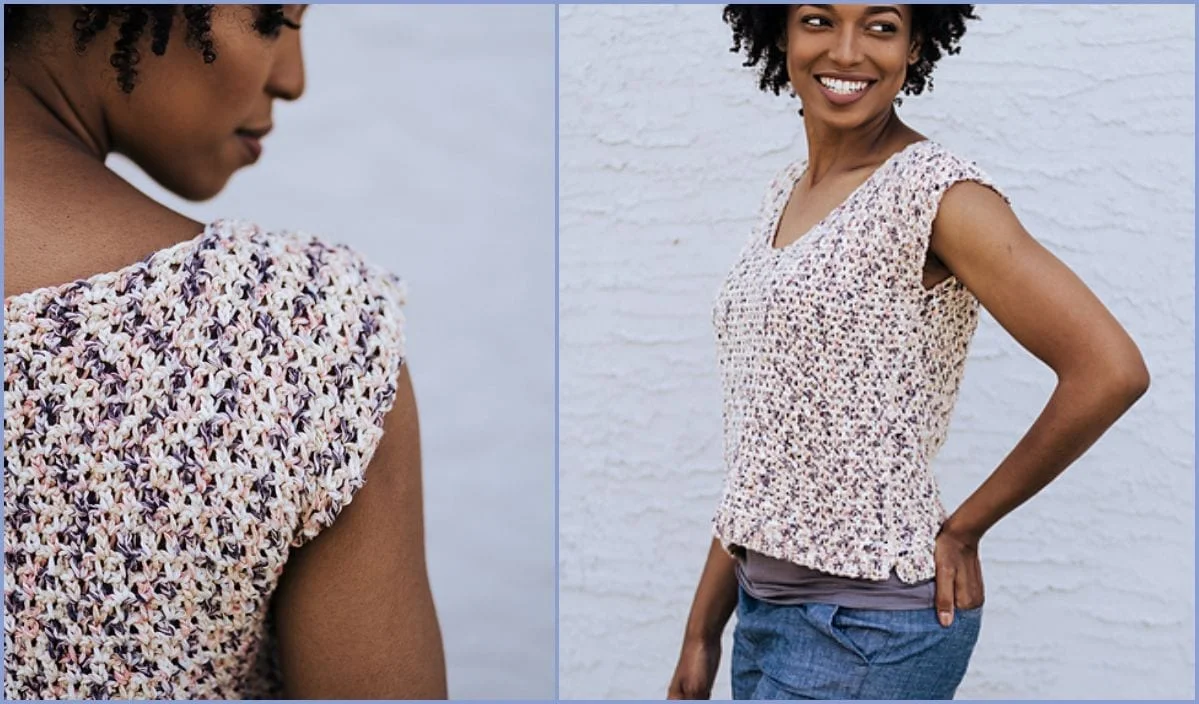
pixel 172 431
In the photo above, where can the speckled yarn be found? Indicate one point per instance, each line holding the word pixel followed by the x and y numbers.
pixel 171 431
pixel 840 372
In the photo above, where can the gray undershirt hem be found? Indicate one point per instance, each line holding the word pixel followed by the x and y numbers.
pixel 780 582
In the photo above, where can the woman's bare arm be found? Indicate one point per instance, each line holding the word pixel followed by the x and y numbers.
pixel 1052 314
pixel 714 603
pixel 354 613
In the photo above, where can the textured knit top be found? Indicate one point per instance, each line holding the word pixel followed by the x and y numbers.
pixel 171 431
pixel 839 374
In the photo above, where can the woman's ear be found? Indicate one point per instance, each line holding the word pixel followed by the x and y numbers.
pixel 914 51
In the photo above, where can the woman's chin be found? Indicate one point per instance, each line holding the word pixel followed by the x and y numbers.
pixel 194 180
pixel 840 118
pixel 197 191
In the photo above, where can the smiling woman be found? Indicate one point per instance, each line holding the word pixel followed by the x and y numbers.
pixel 212 469
pixel 831 353
pixel 761 30
pixel 842 332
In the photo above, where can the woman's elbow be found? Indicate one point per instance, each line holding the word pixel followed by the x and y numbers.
pixel 1113 381
pixel 1130 380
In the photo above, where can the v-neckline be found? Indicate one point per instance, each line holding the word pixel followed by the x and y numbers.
pixel 776 219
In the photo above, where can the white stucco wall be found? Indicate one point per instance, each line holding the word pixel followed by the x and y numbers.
pixel 1084 115
pixel 426 139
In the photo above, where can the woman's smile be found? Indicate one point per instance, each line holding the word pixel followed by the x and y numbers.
pixel 843 90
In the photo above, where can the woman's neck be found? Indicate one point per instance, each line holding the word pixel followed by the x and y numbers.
pixel 41 104
pixel 833 151
pixel 66 214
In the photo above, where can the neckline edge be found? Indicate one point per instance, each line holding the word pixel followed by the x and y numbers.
pixel 211 228
pixel 796 171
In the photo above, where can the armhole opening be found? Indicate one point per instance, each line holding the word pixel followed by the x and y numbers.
pixel 927 233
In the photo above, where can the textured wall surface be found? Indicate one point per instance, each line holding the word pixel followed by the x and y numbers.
pixel 1084 115
pixel 427 143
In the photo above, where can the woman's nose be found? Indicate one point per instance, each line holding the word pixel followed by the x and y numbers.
pixel 287 77
pixel 846 49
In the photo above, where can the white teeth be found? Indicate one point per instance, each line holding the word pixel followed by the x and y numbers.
pixel 843 87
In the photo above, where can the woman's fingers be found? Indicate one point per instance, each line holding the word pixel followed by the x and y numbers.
pixel 969 588
pixel 945 581
pixel 680 691
pixel 981 589
pixel 964 590
pixel 675 690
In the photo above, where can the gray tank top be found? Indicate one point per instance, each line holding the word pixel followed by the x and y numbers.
pixel 780 582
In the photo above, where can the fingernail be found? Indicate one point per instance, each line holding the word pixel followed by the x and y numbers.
pixel 946 618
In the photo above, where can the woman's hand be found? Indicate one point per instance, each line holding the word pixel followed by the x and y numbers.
pixel 696 671
pixel 959 580
pixel 714 603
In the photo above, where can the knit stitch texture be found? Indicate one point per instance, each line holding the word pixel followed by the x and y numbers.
pixel 171 431
pixel 840 372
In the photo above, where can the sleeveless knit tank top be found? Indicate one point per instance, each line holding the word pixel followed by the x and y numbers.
pixel 840 372
pixel 171 431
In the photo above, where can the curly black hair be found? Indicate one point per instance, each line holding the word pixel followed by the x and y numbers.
pixel 759 29
pixel 132 21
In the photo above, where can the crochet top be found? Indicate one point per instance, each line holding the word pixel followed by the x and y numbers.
pixel 839 373
pixel 171 431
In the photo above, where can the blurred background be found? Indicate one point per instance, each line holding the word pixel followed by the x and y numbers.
pixel 426 140
pixel 1084 116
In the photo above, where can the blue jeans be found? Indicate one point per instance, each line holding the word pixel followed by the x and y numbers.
pixel 824 651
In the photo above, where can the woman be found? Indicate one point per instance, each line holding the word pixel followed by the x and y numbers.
pixel 842 332
pixel 212 484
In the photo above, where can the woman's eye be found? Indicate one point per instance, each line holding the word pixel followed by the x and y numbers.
pixel 883 27
pixel 293 15
pixel 814 21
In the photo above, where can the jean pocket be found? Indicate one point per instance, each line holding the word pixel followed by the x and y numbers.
pixel 865 632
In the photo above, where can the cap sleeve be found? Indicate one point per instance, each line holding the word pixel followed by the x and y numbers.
pixel 929 174
pixel 352 346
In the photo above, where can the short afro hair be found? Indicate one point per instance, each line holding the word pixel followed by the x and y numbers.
pixel 132 22
pixel 759 29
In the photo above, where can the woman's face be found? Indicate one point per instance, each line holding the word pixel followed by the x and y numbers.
pixel 189 124
pixel 848 62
